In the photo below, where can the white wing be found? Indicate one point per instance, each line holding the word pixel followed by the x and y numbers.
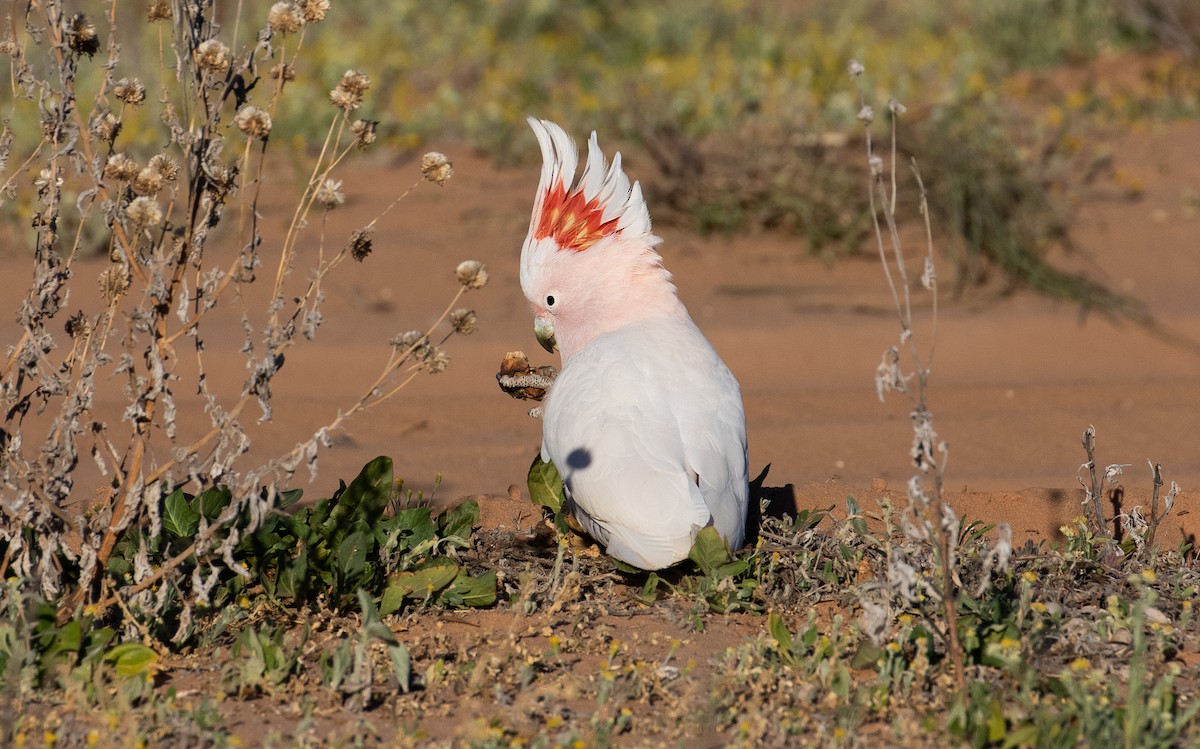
pixel 647 428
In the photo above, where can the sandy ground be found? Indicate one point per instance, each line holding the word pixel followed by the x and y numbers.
pixel 1016 378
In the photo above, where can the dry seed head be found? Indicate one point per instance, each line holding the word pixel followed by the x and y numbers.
pixel 866 115
pixel 286 72
pixel 81 35
pixel 8 46
pixel 120 167
pixel 314 11
pixel 166 166
pixel 253 121
pixel 147 182
pixel 212 56
pixel 285 18
pixel 360 244
pixel 144 212
pixel 130 91
pixel 348 95
pixel 46 179
pixel 113 283
pixel 78 325
pixel 364 132
pixel 413 339
pixel 896 107
pixel 159 10
pixel 329 194
pixel 436 167
pixel 437 360
pixel 856 68
pixel 105 126
pixel 463 321
pixel 472 274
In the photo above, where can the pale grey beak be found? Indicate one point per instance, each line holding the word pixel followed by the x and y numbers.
pixel 543 328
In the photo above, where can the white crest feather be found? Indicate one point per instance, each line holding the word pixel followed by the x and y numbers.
pixel 618 207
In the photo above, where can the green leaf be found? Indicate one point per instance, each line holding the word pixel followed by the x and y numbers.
pixel 289 498
pixel 363 502
pixel 402 666
pixel 212 502
pixel 131 658
pixel 780 632
pixel 471 592
pixel 854 516
pixel 650 589
pixel 178 517
pixel 418 584
pixel 416 526
pixel 546 485
pixel 867 655
pixel 709 551
pixel 292 575
pixel 68 639
pixel 352 555
pixel 459 521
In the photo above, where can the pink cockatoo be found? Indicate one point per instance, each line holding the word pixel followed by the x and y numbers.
pixel 644 422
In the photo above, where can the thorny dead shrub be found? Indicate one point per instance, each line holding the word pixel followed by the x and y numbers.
pixel 183 238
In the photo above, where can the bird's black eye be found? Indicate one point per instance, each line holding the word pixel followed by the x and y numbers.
pixel 550 301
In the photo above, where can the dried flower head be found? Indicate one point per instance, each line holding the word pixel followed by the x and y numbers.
pixel 212 56
pixel 47 180
pixel 436 167
pixel 463 321
pixel 120 167
pixel 896 107
pixel 472 274
pixel 114 281
pixel 364 132
pixel 105 126
pixel 8 47
pixel 348 94
pixel 360 243
pixel 167 167
pixel 856 68
pixel 147 182
pixel 81 35
pixel 285 72
pixel 329 194
pixel 78 325
pixel 314 11
pixel 130 91
pixel 285 18
pixel 253 121
pixel 159 10
pixel 436 360
pixel 866 115
pixel 412 340
pixel 144 212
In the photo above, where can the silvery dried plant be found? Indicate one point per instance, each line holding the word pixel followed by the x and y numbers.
pixel 923 565
pixel 166 272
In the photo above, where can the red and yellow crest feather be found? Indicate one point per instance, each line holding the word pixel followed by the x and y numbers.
pixel 577 215
pixel 573 222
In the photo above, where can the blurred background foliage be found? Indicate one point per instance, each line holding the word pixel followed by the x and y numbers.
pixel 743 111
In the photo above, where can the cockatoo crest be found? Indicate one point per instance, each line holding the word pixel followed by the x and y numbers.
pixel 578 216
